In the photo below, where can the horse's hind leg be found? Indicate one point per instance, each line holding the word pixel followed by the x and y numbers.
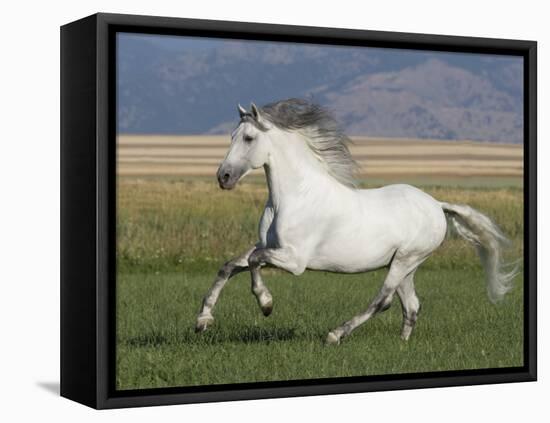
pixel 410 305
pixel 227 271
pixel 399 270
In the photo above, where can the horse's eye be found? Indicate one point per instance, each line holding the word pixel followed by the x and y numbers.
pixel 248 138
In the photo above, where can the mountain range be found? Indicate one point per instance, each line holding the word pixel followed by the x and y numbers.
pixel 192 86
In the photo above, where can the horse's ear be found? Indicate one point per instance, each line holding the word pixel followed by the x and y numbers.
pixel 255 112
pixel 242 111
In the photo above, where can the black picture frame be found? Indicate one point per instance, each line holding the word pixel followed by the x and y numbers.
pixel 88 160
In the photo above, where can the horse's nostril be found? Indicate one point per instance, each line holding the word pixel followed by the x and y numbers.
pixel 226 177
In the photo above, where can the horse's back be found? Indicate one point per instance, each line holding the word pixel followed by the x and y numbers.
pixel 374 226
pixel 401 198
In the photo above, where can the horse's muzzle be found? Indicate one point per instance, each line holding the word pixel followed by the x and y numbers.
pixel 227 178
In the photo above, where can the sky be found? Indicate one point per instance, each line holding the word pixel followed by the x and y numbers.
pixel 190 85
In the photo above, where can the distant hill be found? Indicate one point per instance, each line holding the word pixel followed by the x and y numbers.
pixel 164 89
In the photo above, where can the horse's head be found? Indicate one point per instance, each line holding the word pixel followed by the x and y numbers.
pixel 250 148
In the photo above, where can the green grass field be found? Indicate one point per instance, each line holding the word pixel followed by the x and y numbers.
pixel 173 234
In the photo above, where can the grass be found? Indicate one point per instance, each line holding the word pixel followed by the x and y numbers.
pixel 172 236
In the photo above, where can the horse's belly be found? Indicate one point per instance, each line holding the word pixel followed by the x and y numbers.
pixel 351 260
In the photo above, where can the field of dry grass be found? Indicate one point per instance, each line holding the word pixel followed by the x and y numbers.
pixel 174 223
pixel 156 155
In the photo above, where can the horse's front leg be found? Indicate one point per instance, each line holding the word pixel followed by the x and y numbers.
pixel 283 258
pixel 228 270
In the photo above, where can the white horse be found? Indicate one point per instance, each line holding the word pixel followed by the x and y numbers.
pixel 316 218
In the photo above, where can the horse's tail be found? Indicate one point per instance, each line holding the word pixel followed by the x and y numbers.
pixel 489 240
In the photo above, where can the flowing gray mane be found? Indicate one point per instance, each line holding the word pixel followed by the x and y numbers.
pixel 324 135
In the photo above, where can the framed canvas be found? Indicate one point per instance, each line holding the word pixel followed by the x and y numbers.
pixel 341 178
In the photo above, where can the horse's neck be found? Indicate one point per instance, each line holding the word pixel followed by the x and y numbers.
pixel 293 173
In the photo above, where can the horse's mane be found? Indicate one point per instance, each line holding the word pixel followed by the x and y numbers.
pixel 324 135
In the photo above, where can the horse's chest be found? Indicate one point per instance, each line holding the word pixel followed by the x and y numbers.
pixel 267 229
pixel 277 230
pixel 272 240
pixel 277 233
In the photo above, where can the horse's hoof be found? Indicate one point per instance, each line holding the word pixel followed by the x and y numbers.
pixel 332 339
pixel 385 308
pixel 203 322
pixel 267 308
pixel 406 332
pixel 405 336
